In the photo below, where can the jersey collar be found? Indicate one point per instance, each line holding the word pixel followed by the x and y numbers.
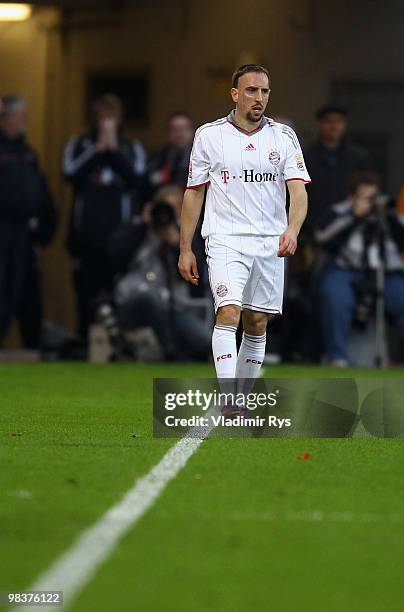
pixel 264 121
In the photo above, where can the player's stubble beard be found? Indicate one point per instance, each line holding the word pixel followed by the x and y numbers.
pixel 254 118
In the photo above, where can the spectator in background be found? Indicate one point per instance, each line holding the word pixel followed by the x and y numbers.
pixel 151 291
pixel 331 161
pixel 173 195
pixel 27 221
pixel 167 174
pixel 106 169
pixel 130 236
pixel 170 165
pixel 350 231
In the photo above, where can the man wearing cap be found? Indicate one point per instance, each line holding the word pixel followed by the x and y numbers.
pixel 331 161
pixel 27 220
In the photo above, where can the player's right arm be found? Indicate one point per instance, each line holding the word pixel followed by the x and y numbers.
pixel 198 178
pixel 191 210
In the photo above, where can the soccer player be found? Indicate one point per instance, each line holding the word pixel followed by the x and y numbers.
pixel 244 161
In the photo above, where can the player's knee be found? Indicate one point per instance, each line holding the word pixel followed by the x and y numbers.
pixel 228 315
pixel 255 323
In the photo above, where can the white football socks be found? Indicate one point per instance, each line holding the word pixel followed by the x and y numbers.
pixel 249 361
pixel 241 370
pixel 224 350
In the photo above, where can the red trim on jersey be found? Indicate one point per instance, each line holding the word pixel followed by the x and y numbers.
pixel 264 121
pixel 297 179
pixel 246 132
pixel 196 186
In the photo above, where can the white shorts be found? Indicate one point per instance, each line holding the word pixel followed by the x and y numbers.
pixel 246 271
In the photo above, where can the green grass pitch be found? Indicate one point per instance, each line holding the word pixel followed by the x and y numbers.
pixel 245 526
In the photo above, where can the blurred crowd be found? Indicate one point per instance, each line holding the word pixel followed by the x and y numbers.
pixel 123 242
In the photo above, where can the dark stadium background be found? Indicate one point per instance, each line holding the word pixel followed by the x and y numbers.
pixel 179 55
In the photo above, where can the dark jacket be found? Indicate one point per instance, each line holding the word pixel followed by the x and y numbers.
pixel 104 184
pixel 167 167
pixel 27 219
pixel 24 195
pixel 330 172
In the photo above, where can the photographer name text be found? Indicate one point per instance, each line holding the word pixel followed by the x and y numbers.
pixel 222 421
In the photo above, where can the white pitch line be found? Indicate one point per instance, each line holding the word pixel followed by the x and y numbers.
pixel 310 516
pixel 76 567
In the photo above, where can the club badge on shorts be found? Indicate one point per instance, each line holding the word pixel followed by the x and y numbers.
pixel 274 157
pixel 221 290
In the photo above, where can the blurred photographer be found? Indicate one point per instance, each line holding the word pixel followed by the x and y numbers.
pixel 151 292
pixel 27 222
pixel 106 169
pixel 354 232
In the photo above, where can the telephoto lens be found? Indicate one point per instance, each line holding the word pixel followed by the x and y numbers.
pixel 122 349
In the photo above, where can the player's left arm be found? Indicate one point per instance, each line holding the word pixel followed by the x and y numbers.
pixel 297 214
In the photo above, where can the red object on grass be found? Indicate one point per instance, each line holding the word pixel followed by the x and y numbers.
pixel 304 457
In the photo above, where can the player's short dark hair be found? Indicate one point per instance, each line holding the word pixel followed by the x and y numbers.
pixel 362 178
pixel 328 109
pixel 245 69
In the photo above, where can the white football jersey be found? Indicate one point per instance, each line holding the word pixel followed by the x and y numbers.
pixel 246 174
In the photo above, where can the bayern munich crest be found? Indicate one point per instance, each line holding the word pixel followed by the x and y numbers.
pixel 274 157
pixel 221 290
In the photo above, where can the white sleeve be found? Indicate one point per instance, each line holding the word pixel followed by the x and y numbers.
pixel 199 164
pixel 294 168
